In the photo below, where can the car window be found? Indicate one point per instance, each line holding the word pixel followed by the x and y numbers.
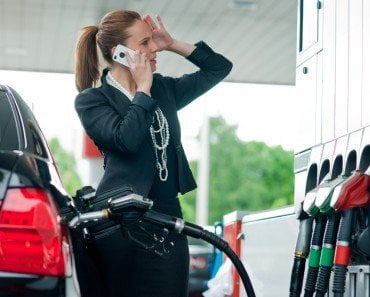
pixel 9 137
pixel 35 140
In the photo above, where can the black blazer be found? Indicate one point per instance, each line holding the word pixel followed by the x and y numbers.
pixel 120 128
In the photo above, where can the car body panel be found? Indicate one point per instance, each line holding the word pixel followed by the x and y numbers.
pixel 26 162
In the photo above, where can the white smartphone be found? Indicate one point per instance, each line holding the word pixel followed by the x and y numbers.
pixel 119 54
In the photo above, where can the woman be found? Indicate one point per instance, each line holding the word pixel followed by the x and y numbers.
pixel 132 118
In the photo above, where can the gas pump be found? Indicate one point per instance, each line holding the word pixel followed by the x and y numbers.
pixel 349 198
pixel 336 206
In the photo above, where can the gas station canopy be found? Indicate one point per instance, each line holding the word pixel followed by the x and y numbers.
pixel 258 36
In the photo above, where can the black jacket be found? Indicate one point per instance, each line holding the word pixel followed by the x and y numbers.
pixel 120 128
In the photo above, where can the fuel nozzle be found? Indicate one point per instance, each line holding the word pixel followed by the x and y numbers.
pixel 84 198
pixel 353 192
pixel 325 193
pixel 309 202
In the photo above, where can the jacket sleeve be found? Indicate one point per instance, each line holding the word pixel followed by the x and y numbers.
pixel 110 129
pixel 213 69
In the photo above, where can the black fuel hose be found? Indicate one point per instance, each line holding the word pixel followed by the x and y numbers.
pixel 132 208
pixel 314 256
pixel 342 252
pixel 300 255
pixel 327 254
pixel 192 230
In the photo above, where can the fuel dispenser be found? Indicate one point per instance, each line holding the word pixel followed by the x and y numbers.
pixel 333 234
pixel 339 208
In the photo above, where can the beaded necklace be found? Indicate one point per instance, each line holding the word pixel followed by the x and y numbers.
pixel 162 132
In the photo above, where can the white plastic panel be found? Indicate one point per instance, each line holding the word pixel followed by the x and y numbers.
pixel 309 24
pixel 300 180
pixel 328 91
pixel 305 105
pixel 355 66
pixel 310 42
pixel 327 152
pixel 267 252
pixel 319 122
pixel 341 101
pixel 365 138
pixel 340 148
pixel 366 64
pixel 354 143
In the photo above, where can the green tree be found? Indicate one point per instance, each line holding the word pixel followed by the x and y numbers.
pixel 248 176
pixel 67 168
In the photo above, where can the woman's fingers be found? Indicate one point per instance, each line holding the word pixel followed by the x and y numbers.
pixel 141 71
pixel 150 22
pixel 142 58
pixel 137 59
pixel 160 23
pixel 129 59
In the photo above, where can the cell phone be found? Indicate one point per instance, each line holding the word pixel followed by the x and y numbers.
pixel 119 54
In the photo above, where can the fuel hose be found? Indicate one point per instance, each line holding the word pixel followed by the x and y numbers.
pixel 327 254
pixel 314 255
pixel 300 256
pixel 342 252
pixel 138 211
pixel 132 208
pixel 180 226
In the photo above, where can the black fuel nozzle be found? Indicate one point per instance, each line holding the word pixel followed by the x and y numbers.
pixel 84 197
pixel 129 208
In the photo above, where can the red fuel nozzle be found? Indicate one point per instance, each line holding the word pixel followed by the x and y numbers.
pixel 353 192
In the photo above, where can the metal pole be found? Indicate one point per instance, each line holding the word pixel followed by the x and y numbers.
pixel 203 175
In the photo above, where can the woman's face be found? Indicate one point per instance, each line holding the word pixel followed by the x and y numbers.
pixel 141 39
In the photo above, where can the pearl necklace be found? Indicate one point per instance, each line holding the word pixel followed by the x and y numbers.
pixel 162 132
pixel 160 149
pixel 117 85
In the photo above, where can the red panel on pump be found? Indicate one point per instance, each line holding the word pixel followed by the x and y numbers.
pixel 232 229
pixel 89 149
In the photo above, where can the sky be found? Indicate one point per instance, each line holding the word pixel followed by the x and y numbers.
pixel 262 112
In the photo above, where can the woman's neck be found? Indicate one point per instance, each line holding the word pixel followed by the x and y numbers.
pixel 124 78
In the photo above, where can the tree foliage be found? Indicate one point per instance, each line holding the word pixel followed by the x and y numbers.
pixel 247 176
pixel 67 167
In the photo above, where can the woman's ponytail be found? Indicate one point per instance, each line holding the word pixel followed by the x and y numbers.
pixel 112 30
pixel 87 63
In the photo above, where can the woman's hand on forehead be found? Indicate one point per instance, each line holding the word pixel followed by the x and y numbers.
pixel 160 36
